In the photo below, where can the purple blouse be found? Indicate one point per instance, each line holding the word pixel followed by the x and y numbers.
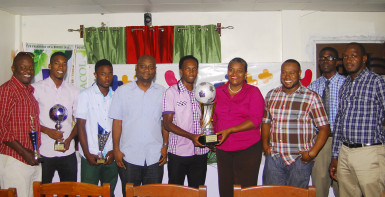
pixel 248 104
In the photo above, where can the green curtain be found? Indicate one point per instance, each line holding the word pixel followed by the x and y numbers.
pixel 105 43
pixel 203 42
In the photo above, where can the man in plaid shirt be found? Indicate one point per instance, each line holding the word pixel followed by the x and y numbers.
pixel 292 112
pixel 19 114
pixel 358 158
pixel 181 117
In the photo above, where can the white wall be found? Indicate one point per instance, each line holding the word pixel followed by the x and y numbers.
pixel 7 44
pixel 256 37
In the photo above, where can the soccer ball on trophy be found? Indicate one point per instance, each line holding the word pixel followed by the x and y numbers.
pixel 205 93
pixel 58 113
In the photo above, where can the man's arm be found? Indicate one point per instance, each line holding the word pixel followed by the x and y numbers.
pixel 244 126
pixel 81 124
pixel 171 127
pixel 116 133
pixel 163 151
pixel 72 135
pixel 28 155
pixel 265 135
pixel 322 136
pixel 52 133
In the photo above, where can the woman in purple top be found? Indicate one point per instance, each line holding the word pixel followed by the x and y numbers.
pixel 237 117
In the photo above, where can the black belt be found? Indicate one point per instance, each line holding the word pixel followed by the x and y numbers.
pixel 359 145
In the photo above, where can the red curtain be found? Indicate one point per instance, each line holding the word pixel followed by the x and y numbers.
pixel 156 41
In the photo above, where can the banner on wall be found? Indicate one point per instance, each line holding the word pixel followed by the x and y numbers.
pixel 76 65
pixel 265 76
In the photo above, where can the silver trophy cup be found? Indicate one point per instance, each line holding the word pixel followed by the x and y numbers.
pixel 58 113
pixel 102 139
pixel 205 94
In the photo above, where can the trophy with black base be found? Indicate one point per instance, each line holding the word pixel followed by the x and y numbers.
pixel 205 94
pixel 33 136
pixel 102 139
pixel 58 113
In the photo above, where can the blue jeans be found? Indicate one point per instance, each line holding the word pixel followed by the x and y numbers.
pixel 276 172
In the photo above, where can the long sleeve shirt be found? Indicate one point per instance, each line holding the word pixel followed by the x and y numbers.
pixel 361 111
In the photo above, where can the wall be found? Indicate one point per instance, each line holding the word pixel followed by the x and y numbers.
pixel 7 46
pixel 256 37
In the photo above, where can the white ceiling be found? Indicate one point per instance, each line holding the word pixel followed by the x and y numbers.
pixel 59 7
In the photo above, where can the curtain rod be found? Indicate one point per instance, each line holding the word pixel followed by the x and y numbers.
pixel 217 28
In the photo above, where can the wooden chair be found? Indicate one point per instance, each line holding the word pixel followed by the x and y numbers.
pixel 10 192
pixel 164 190
pixel 62 189
pixel 273 191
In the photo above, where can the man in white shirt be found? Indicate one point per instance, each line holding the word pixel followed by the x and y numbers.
pixel 49 92
pixel 93 123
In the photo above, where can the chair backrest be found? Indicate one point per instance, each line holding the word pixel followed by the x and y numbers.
pixel 273 191
pixel 10 192
pixel 62 189
pixel 164 190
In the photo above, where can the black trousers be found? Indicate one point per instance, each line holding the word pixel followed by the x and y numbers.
pixel 67 168
pixel 194 167
pixel 140 175
pixel 238 167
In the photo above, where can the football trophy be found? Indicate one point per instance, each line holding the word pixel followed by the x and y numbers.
pixel 58 113
pixel 205 94
pixel 102 139
pixel 33 136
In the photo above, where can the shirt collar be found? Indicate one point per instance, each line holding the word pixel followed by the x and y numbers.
pixel 53 85
pixel 96 90
pixel 332 79
pixel 136 85
pixel 301 89
pixel 20 85
pixel 182 87
pixel 362 74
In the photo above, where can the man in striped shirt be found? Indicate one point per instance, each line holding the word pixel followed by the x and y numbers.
pixel 358 158
pixel 181 117
pixel 327 86
pixel 288 127
pixel 19 114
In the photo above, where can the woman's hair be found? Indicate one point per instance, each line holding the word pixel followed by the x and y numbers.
pixel 239 60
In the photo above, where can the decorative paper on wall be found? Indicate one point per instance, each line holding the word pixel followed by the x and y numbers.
pixel 76 65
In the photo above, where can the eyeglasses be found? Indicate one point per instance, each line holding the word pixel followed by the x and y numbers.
pixel 329 58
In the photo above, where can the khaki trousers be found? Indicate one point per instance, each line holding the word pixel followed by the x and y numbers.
pixel 361 171
pixel 14 173
pixel 320 174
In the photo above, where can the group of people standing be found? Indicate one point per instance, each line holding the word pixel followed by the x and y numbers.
pixel 332 130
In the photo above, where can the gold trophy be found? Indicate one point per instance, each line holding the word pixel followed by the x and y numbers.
pixel 33 136
pixel 205 94
pixel 58 113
